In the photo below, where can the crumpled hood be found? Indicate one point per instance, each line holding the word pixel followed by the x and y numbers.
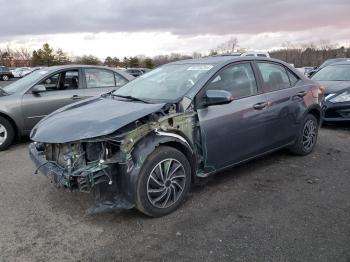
pixel 90 118
pixel 334 86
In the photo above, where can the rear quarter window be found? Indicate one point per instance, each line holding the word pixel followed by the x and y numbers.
pixel 274 76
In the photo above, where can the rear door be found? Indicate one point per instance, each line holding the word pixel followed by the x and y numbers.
pixel 62 88
pixel 100 81
pixel 236 131
pixel 284 92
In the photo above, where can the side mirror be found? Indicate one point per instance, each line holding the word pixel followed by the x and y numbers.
pixel 217 97
pixel 38 89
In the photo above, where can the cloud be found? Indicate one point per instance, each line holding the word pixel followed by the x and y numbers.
pixel 152 27
pixel 190 17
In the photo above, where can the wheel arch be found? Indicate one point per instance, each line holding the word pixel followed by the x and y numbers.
pixel 13 123
pixel 144 148
pixel 316 111
pixel 187 152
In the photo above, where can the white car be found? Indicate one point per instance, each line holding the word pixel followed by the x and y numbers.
pixel 256 53
pixel 21 71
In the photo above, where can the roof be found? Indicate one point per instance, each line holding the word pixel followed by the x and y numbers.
pixel 208 60
pixel 62 67
pixel 345 62
pixel 76 65
pixel 223 60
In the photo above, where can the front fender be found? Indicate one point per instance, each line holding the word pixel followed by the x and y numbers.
pixel 130 172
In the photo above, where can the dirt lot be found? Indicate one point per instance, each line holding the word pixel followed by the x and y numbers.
pixel 277 208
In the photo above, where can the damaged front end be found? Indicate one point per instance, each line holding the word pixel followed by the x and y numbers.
pixel 83 167
pixel 108 166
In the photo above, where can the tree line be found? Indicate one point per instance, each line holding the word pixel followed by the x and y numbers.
pixel 310 54
pixel 304 55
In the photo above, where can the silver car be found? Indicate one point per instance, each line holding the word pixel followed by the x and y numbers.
pixel 25 102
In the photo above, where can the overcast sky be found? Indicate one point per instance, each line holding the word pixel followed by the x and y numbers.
pixel 119 28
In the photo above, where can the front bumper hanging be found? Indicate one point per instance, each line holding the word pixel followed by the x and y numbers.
pixel 96 177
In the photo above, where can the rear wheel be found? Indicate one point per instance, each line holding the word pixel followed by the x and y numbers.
pixel 5 77
pixel 307 136
pixel 164 182
pixel 7 133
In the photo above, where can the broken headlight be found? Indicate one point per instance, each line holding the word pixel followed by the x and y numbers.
pixel 343 97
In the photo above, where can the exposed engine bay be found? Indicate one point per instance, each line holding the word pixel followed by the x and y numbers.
pixel 107 166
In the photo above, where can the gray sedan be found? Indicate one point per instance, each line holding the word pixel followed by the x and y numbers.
pixel 25 102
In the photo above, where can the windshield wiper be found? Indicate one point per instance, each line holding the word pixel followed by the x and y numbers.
pixel 132 98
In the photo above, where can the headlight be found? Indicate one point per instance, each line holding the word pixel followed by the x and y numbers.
pixel 343 97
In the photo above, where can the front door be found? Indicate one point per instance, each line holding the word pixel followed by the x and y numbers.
pixel 236 131
pixel 62 88
pixel 100 81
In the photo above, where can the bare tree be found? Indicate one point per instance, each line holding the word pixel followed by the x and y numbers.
pixel 227 47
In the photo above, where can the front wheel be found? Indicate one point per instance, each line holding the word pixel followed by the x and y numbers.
pixel 7 133
pixel 164 182
pixel 5 77
pixel 307 136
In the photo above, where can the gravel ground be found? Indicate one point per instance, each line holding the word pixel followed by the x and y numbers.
pixel 277 208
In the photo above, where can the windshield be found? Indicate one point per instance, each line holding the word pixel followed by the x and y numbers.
pixel 25 82
pixel 333 73
pixel 167 83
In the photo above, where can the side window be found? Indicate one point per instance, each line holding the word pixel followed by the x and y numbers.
pixel 51 83
pixel 71 79
pixel 65 80
pixel 262 55
pixel 99 78
pixel 275 76
pixel 238 79
pixel 293 78
pixel 119 80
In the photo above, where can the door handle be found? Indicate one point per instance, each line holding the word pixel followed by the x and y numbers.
pixel 76 97
pixel 301 94
pixel 260 106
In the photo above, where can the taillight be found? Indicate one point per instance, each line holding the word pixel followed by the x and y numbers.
pixel 321 90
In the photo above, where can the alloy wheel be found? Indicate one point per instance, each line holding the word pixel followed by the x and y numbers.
pixel 3 134
pixel 309 134
pixel 166 183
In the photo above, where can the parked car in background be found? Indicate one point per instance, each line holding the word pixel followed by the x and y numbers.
pixel 306 70
pixel 137 71
pixel 336 80
pixel 326 63
pixel 5 73
pixel 145 143
pixel 21 71
pixel 256 53
pixel 28 100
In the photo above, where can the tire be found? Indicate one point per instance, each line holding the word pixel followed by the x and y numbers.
pixel 7 133
pixel 5 78
pixel 307 136
pixel 171 191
